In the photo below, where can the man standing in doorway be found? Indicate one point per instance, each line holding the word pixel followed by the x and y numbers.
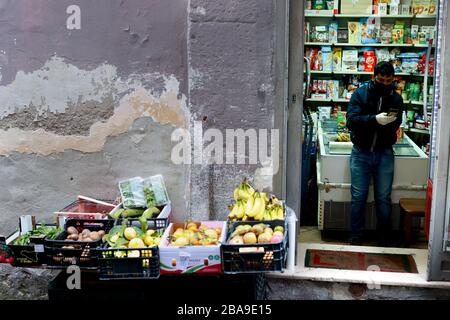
pixel 373 117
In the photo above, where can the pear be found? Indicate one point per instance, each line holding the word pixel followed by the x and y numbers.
pixel 258 228
pixel 250 238
pixel 237 240
pixel 278 234
pixel 264 238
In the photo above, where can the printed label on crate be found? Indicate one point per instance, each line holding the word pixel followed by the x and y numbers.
pixel 38 248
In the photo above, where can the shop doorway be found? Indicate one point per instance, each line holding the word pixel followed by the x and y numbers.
pixel 319 90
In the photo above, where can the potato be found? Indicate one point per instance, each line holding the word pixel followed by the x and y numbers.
pixel 87 239
pixel 72 230
pixel 85 232
pixel 72 237
pixel 101 233
pixel 94 235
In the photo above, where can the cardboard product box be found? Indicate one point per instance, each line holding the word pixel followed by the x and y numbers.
pixel 191 259
pixel 354 32
pixel 386 33
pixel 398 33
pixel 333 32
pixel 432 7
pixel 382 9
pixel 394 9
pixel 415 34
pixel 418 6
pixel 342 35
pixel 327 59
pixel 370 30
pixel 350 60
pixel 356 7
pixel 337 59
pixel 405 9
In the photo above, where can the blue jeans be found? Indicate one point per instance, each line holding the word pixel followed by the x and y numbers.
pixel 378 164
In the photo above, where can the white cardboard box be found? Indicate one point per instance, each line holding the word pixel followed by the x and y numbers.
pixel 191 259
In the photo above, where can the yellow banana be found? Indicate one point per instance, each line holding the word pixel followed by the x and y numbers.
pixel 244 218
pixel 258 207
pixel 240 211
pixel 279 214
pixel 262 207
pixel 236 194
pixel 233 212
pixel 265 197
pixel 249 205
pixel 267 214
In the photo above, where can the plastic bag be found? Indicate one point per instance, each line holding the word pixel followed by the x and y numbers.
pixel 155 191
pixel 132 192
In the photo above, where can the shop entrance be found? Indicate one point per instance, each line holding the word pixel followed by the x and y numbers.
pixel 340 44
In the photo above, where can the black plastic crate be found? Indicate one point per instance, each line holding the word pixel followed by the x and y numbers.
pixel 62 253
pixel 273 258
pixel 30 255
pixel 131 263
pixel 127 263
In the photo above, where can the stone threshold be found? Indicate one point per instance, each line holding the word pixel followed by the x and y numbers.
pixel 300 272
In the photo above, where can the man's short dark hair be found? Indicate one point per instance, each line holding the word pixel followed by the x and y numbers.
pixel 384 68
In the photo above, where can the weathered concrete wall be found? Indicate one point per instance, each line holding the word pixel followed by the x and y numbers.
pixel 231 86
pixel 82 109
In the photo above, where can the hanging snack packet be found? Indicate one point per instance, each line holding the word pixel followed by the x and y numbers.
pixel 155 191
pixel 132 193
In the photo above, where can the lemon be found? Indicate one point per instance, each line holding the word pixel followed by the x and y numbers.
pixel 130 233
pixel 136 243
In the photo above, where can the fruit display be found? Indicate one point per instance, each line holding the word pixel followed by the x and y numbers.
pixel 343 137
pixel 256 234
pixel 252 205
pixel 195 234
pixel 127 236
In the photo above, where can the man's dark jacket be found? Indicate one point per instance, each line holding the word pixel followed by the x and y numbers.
pixel 364 105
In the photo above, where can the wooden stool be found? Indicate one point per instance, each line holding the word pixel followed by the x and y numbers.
pixel 409 208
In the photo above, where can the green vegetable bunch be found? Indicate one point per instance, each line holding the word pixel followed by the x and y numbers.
pixel 41 231
pixel 150 197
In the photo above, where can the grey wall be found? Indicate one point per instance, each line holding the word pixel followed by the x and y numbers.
pixel 82 109
pixel 231 85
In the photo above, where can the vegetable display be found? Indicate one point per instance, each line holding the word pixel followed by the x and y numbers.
pixel 41 231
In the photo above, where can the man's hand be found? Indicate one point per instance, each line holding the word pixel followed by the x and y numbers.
pixel 384 119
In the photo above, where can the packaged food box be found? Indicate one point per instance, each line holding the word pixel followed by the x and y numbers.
pixel 356 7
pixel 191 259
pixel 354 32
pixel 327 59
pixel 337 59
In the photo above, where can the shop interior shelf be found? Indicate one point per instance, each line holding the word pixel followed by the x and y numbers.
pixel 342 15
pixel 339 44
pixel 424 131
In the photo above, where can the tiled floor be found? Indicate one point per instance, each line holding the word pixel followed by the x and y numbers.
pixel 310 238
pixel 310 234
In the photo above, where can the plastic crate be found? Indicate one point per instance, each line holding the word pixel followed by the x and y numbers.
pixel 272 256
pixel 130 263
pixel 30 255
pixel 86 208
pixel 82 253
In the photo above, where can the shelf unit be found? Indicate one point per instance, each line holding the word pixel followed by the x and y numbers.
pixel 340 15
pixel 322 19
pixel 339 44
pixel 364 73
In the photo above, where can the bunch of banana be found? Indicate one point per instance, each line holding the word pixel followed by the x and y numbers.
pixel 343 137
pixel 243 192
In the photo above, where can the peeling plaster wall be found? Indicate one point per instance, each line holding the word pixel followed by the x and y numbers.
pixel 82 109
